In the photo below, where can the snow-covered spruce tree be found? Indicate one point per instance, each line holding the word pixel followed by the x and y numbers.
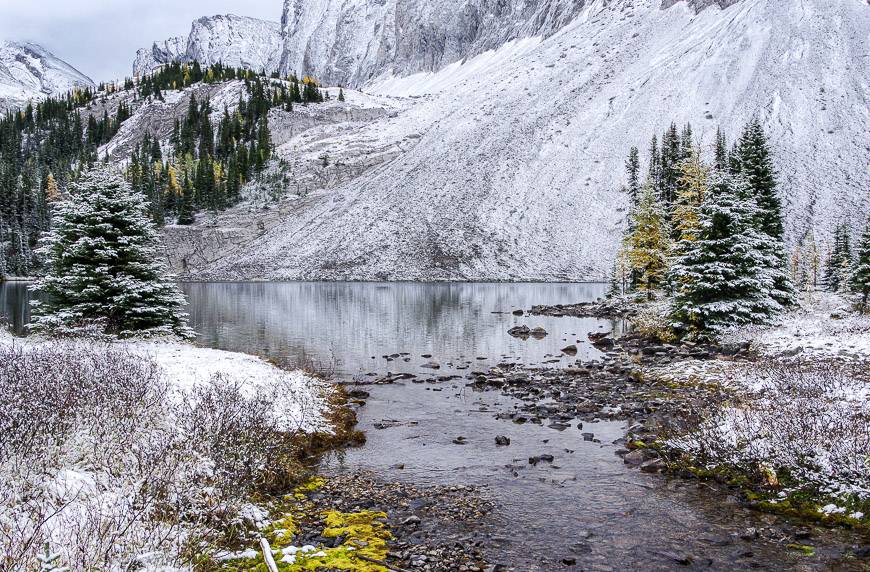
pixel 752 160
pixel 647 245
pixel 50 561
pixel 720 277
pixel 103 266
pixel 860 280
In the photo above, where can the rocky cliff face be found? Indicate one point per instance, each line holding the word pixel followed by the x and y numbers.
pixel 29 71
pixel 234 40
pixel 350 42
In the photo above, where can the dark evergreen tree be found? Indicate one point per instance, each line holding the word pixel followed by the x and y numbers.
pixel 721 276
pixel 632 169
pixel 755 164
pixel 103 264
pixel 721 154
pixel 860 279
pixel 839 261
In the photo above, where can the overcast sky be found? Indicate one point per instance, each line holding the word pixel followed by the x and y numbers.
pixel 100 37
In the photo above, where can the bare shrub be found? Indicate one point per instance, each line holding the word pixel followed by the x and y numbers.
pixel 83 455
pixel 810 421
pixel 104 460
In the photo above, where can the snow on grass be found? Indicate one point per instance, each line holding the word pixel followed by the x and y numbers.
pixel 823 327
pixel 131 454
pixel 802 409
pixel 187 366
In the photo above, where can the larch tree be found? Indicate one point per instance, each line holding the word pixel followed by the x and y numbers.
pixel 860 279
pixel 103 265
pixel 648 245
pixel 691 188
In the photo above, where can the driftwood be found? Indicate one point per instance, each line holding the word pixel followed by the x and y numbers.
pixel 267 555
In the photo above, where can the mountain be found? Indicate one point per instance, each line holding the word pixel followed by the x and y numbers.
pixel 29 71
pixel 500 158
pixel 350 43
pixel 236 41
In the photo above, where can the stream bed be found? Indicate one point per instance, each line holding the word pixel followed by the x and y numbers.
pixel 583 510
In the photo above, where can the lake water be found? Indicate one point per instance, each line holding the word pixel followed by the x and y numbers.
pixel 353 328
pixel 585 505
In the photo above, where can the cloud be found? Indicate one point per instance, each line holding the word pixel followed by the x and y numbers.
pixel 100 37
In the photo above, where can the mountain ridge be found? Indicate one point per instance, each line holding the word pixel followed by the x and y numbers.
pixel 28 71
pixel 237 41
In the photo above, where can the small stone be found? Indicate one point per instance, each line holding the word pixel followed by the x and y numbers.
pixel 502 441
pixel 541 459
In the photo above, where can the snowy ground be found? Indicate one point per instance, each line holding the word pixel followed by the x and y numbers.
pixel 119 455
pixel 803 407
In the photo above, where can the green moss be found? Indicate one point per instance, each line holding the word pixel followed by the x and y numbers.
pixel 362 534
pixel 804 549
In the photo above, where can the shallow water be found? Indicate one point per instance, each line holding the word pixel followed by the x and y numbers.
pixel 585 505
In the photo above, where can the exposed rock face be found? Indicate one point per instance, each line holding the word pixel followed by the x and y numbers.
pixel 699 5
pixel 159 54
pixel 350 43
pixel 29 71
pixel 234 40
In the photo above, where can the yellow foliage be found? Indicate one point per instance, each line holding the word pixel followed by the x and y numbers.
pixel 691 188
pixel 648 244
pixel 52 193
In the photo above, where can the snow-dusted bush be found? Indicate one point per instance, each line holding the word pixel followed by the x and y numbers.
pixel 105 460
pixel 809 422
pixel 87 459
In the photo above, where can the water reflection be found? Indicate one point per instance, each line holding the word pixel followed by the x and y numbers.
pixel 343 326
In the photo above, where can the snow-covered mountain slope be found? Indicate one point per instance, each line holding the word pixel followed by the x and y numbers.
pixel 29 71
pixel 234 40
pixel 507 165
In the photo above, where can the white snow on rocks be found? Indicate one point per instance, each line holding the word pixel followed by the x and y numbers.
pixel 236 41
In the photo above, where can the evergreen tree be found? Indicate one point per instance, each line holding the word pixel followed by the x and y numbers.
pixel 185 207
pixel 632 169
pixel 340 94
pixel 648 244
pixel 755 164
pixel 103 264
pixel 839 259
pixel 721 154
pixel 860 279
pixel 721 277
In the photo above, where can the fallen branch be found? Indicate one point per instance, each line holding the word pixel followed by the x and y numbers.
pixel 267 555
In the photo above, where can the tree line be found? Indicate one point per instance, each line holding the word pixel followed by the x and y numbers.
pixel 46 145
pixel 709 234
